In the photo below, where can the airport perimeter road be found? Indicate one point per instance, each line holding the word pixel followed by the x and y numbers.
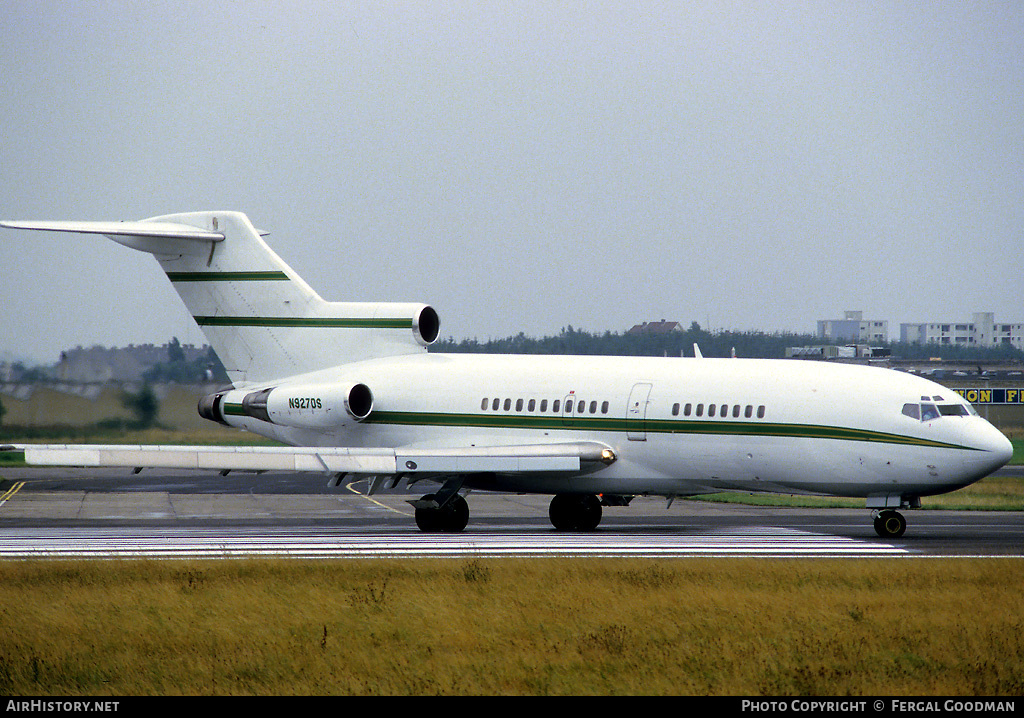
pixel 112 512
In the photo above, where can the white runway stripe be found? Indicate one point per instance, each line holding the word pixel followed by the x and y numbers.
pixel 157 543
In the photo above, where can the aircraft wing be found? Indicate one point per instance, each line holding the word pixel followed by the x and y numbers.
pixel 568 457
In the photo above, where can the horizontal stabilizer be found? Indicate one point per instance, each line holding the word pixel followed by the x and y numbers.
pixel 501 459
pixel 167 230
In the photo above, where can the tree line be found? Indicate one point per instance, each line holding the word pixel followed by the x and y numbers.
pixel 748 344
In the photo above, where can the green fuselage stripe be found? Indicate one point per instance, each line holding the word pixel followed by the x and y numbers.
pixel 655 426
pixel 227 276
pixel 315 322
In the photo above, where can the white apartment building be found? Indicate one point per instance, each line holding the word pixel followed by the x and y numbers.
pixel 983 330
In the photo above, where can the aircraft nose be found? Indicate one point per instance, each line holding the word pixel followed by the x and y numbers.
pixel 1000 447
pixel 994 451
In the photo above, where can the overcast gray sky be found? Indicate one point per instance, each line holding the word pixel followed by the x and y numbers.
pixel 522 166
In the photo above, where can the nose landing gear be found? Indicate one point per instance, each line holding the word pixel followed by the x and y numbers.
pixel 890 524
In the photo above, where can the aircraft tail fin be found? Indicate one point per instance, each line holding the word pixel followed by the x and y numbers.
pixel 260 317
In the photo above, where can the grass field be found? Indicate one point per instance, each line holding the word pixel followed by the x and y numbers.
pixel 540 627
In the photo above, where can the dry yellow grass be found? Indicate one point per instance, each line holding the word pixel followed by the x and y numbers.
pixel 739 627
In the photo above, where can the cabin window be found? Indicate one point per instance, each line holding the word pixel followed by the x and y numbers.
pixel 736 411
pixel 508 404
pixel 700 410
pixel 604 407
pixel 748 412
pixel 581 407
pixel 483 405
pixel 593 407
pixel 555 404
pixel 543 405
pixel 519 404
pixel 760 412
pixel 532 405
pixel 725 410
pixel 675 410
pixel 711 409
pixel 686 409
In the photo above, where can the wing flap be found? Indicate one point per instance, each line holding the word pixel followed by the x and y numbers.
pixel 565 457
pixel 220 458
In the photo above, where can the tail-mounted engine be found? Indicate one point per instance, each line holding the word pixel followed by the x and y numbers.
pixel 305 406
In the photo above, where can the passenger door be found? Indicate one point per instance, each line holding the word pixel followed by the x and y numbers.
pixel 636 412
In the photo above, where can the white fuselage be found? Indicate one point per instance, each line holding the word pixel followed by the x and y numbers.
pixel 677 426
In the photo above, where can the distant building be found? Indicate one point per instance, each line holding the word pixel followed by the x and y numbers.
pixel 661 327
pixel 102 364
pixel 854 328
pixel 850 351
pixel 982 331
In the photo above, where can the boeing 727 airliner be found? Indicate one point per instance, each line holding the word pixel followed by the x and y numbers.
pixel 351 391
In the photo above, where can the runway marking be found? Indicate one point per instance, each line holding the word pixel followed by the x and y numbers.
pixel 11 492
pixel 156 543
pixel 375 501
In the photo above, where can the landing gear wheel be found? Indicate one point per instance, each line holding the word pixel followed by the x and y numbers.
pixel 575 512
pixel 890 524
pixel 450 518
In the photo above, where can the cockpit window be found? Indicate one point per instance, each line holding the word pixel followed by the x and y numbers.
pixel 927 411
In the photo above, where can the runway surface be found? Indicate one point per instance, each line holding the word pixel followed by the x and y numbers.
pixel 72 513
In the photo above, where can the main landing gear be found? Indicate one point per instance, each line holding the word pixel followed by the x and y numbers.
pixel 568 512
pixel 575 512
pixel 890 524
pixel 449 517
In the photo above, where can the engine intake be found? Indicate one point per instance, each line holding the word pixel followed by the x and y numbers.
pixel 359 402
pixel 426 325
